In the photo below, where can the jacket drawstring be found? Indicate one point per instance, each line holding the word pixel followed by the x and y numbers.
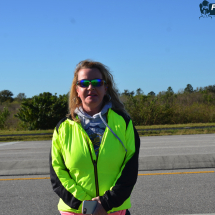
pixel 112 131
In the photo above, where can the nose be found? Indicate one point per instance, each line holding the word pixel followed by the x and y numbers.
pixel 90 87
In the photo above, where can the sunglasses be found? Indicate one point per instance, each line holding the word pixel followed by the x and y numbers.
pixel 94 82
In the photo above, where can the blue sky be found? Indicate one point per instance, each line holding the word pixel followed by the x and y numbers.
pixel 146 44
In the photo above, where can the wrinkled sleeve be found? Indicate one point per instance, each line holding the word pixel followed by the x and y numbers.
pixel 63 185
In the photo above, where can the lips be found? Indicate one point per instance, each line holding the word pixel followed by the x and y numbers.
pixel 91 95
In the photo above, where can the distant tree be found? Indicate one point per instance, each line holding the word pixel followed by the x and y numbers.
pixel 21 96
pixel 170 90
pixel 198 89
pixel 128 93
pixel 43 111
pixel 161 93
pixel 151 93
pixel 6 95
pixel 210 88
pixel 139 92
pixel 131 93
pixel 188 89
pixel 125 93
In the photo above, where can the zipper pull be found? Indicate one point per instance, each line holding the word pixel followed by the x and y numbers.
pixel 94 162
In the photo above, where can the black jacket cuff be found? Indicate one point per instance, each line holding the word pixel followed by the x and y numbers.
pixel 104 203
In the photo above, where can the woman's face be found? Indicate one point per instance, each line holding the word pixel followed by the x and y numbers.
pixel 91 97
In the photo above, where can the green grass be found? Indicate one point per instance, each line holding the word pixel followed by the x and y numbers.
pixel 177 132
pixel 175 125
pixel 5 132
pixel 25 138
pixel 141 133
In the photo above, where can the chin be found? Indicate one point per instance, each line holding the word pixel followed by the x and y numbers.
pixel 92 99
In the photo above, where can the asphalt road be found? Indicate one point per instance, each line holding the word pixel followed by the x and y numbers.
pixel 175 193
pixel 169 193
pixel 153 194
pixel 27 157
pixel 156 153
pixel 177 152
pixel 177 144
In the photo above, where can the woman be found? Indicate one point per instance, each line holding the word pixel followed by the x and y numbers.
pixel 95 149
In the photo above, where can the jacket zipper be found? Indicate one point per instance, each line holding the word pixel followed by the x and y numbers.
pixel 95 170
pixel 94 164
pixel 96 177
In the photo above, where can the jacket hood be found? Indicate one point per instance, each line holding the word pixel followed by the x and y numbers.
pixel 86 119
pixel 82 114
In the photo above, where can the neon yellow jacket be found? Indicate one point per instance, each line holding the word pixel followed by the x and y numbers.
pixel 77 175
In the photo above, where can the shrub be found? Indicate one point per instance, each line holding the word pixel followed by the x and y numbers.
pixel 3 116
pixel 170 108
pixel 42 111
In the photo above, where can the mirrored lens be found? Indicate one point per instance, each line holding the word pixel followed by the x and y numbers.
pixel 97 82
pixel 94 82
pixel 84 83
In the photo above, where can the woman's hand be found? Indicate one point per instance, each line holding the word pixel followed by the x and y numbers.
pixel 99 209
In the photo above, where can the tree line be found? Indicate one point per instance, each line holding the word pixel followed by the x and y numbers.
pixel 167 107
pixel 43 111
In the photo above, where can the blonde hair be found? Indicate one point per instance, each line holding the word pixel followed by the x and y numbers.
pixel 111 95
